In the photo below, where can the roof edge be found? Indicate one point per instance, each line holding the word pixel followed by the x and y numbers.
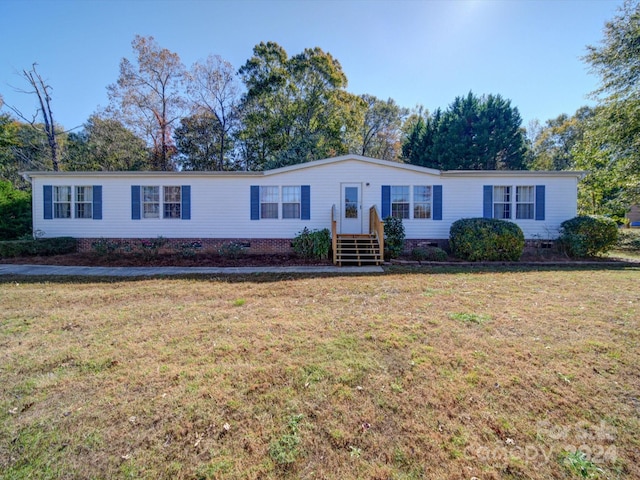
pixel 514 173
pixel 138 173
pixel 359 158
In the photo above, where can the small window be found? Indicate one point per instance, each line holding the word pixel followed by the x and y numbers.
pixel 291 202
pixel 400 202
pixel 172 202
pixel 351 202
pixel 61 202
pixel 525 203
pixel 151 202
pixel 269 202
pixel 421 201
pixel 502 202
pixel 84 202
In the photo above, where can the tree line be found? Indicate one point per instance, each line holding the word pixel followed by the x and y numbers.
pixel 278 110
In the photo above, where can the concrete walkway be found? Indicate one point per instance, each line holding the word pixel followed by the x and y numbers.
pixel 55 270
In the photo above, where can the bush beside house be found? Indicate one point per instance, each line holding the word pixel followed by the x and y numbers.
pixel 588 236
pixel 394 236
pixel 40 246
pixel 312 243
pixel 429 254
pixel 486 239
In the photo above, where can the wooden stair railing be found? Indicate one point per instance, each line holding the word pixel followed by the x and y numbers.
pixel 360 249
pixel 376 227
pixel 334 235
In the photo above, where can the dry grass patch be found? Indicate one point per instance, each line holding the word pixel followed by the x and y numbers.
pixel 412 374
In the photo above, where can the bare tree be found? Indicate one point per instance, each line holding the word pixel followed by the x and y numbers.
pixel 214 93
pixel 148 98
pixel 42 90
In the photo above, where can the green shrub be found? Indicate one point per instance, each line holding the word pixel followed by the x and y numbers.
pixel 312 243
pixel 431 254
pixel 588 236
pixel 393 237
pixel 188 249
pixel 106 247
pixel 56 245
pixel 41 246
pixel 15 212
pixel 232 250
pixel 150 248
pixel 628 240
pixel 16 248
pixel 478 239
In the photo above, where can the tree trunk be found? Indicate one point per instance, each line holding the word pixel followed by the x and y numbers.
pixel 41 89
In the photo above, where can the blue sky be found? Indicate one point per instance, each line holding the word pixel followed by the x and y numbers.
pixel 416 52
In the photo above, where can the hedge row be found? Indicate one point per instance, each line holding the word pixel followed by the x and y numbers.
pixel 41 246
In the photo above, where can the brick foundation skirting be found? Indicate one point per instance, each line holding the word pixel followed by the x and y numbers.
pixel 412 243
pixel 262 246
pixel 251 245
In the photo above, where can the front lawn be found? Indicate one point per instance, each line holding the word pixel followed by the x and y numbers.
pixel 428 373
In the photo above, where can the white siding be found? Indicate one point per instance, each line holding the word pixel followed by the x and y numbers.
pixel 220 205
pixel 463 198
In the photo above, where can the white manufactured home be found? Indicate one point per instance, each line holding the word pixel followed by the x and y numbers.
pixel 265 210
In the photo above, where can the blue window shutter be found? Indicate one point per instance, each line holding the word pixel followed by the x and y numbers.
pixel 437 202
pixel 487 201
pixel 47 191
pixel 186 202
pixel 540 202
pixel 135 202
pixel 97 202
pixel 305 202
pixel 386 201
pixel 255 202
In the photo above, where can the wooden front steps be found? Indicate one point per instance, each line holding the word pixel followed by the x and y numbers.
pixel 358 250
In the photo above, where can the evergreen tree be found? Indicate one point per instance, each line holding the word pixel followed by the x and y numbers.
pixel 474 133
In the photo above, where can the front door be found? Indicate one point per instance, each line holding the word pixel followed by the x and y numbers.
pixel 351 210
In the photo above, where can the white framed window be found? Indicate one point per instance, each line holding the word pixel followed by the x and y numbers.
pixel 525 202
pixel 150 202
pixel 61 202
pixel 422 199
pixel 84 202
pixel 172 202
pixel 502 202
pixel 291 197
pixel 269 202
pixel 400 206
